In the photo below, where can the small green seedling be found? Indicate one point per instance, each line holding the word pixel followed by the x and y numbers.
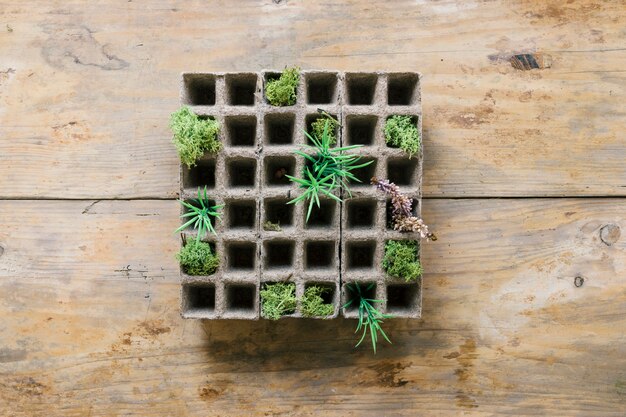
pixel 327 170
pixel 402 132
pixel 401 259
pixel 282 91
pixel 370 319
pixel 278 299
pixel 197 258
pixel 193 136
pixel 200 215
pixel 312 303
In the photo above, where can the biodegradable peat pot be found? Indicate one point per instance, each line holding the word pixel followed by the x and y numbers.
pixel 341 242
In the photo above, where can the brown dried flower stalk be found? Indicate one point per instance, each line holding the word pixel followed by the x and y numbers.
pixel 403 219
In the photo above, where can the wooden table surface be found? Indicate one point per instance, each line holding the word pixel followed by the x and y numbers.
pixel 525 185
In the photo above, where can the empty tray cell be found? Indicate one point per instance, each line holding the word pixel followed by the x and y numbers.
pixel 241 214
pixel 199 89
pixel 402 89
pixel 241 255
pixel 194 202
pixel 278 253
pixel 361 88
pixel 319 255
pixel 389 210
pixel 321 88
pixel 279 212
pixel 279 128
pixel 240 297
pixel 311 118
pixel 241 172
pixel 240 89
pixel 241 130
pixel 360 254
pixel 199 296
pixel 277 168
pixel 402 298
pixel 201 175
pixel 353 292
pixel 402 171
pixel 361 213
pixel 322 217
pixel 365 173
pixel 361 129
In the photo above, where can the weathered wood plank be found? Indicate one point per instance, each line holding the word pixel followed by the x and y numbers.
pixel 86 88
pixel 89 298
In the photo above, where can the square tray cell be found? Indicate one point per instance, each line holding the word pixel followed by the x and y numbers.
pixel 402 89
pixel 365 173
pixel 329 296
pixel 277 168
pixel 319 254
pixel 311 118
pixel 241 214
pixel 402 171
pixel 240 298
pixel 201 175
pixel 269 76
pixel 321 88
pixel 279 128
pixel 241 256
pixel 389 212
pixel 240 89
pixel 402 298
pixel 322 217
pixel 351 293
pixel 241 172
pixel 277 211
pixel 278 253
pixel 360 255
pixel 361 129
pixel 199 89
pixel 361 213
pixel 200 297
pixel 361 88
pixel 241 130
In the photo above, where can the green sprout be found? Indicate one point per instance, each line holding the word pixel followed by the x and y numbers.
pixel 200 215
pixel 197 258
pixel 278 299
pixel 326 170
pixel 313 304
pixel 370 319
pixel 402 132
pixel 193 136
pixel 282 91
pixel 401 259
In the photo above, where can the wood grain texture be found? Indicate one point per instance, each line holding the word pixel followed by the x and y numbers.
pixel 86 88
pixel 89 298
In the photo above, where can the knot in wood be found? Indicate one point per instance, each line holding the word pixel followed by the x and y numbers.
pixel 579 281
pixel 610 234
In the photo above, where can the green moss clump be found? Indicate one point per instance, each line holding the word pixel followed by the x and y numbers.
pixel 282 91
pixel 313 304
pixel 193 136
pixel 197 258
pixel 402 132
pixel 271 227
pixel 278 299
pixel 318 126
pixel 401 259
